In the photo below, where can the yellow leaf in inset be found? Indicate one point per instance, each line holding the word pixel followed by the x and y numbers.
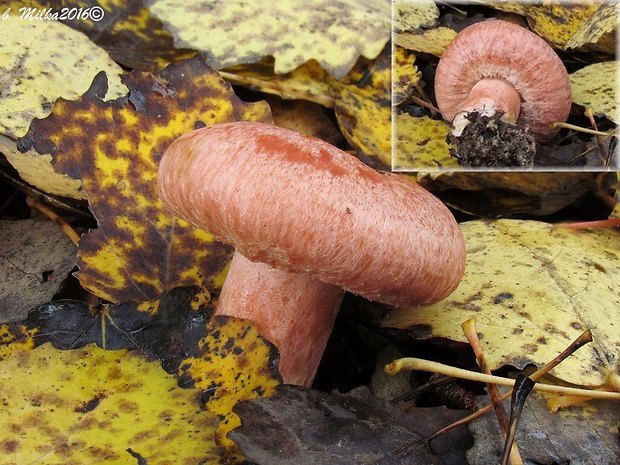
pixel 333 32
pixel 602 22
pixel 431 41
pixel 409 15
pixel 533 288
pixel 595 87
pixel 139 250
pixel 554 21
pixel 420 144
pixel 94 406
pixel 405 74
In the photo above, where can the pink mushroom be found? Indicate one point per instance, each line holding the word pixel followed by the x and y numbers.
pixel 308 222
pixel 499 67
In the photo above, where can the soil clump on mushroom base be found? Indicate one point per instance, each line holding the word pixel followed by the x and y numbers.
pixel 487 141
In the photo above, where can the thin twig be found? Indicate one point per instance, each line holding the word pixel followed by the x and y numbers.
pixel 469 329
pixel 583 339
pixel 410 363
pixel 52 215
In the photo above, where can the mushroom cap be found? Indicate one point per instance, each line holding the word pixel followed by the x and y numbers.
pixel 299 204
pixel 503 50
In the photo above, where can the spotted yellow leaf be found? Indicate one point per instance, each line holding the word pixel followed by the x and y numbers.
pixel 409 15
pixel 41 61
pixel 35 70
pixel 236 364
pixel 533 288
pixel 363 108
pixel 139 250
pixel 432 41
pixel 90 405
pixel 129 33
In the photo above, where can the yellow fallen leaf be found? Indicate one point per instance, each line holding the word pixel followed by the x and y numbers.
pixel 333 32
pixel 420 144
pixel 409 15
pixel 307 82
pixel 235 364
pixel 602 22
pixel 433 41
pixel 36 68
pixel 595 86
pixel 405 74
pixel 90 405
pixel 533 288
pixel 554 21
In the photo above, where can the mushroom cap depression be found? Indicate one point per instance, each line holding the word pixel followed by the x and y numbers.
pixel 301 205
pixel 502 50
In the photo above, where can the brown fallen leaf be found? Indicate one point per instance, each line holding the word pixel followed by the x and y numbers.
pixel 35 257
pixel 301 426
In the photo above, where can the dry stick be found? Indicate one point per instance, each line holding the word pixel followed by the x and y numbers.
pixel 52 215
pixel 584 130
pixel 610 222
pixel 606 157
pixel 583 339
pixel 469 329
pixel 434 367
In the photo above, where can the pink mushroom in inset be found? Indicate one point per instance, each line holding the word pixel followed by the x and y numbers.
pixel 499 69
pixel 308 222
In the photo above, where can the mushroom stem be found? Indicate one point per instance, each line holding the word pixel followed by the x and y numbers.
pixel 294 311
pixel 488 97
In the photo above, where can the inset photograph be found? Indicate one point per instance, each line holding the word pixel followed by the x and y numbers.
pixel 488 85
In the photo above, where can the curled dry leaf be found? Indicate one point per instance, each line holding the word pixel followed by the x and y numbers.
pixel 533 288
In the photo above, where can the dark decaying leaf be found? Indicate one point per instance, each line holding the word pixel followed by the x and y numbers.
pixel 301 426
pixel 168 328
